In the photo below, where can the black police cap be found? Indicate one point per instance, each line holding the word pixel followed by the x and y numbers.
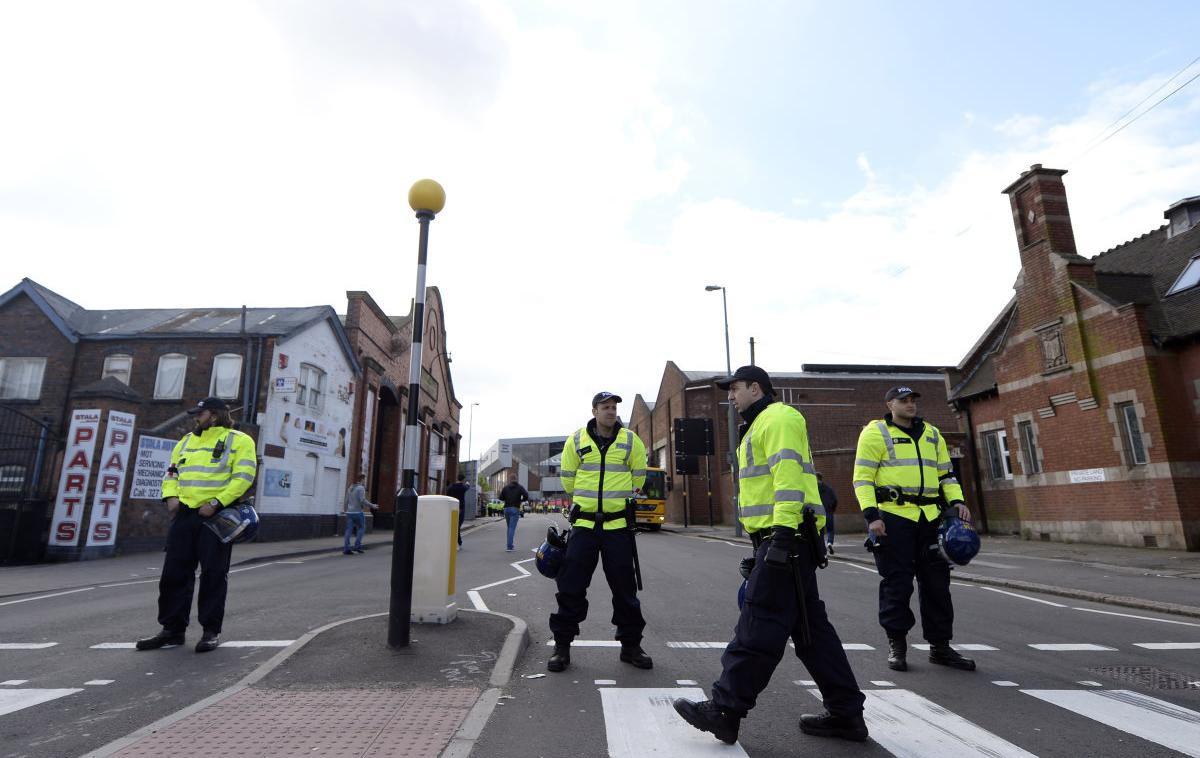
pixel 209 404
pixel 600 397
pixel 896 392
pixel 748 374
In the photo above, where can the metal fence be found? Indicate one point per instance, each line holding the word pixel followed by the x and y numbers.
pixel 27 451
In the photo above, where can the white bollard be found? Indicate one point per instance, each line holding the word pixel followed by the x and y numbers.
pixel 434 560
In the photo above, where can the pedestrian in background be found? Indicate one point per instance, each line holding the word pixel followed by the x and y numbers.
pixel 778 485
pixel 356 517
pixel 211 468
pixel 458 491
pixel 902 474
pixel 829 500
pixel 603 465
pixel 512 496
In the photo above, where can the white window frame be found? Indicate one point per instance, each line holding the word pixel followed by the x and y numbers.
pixel 125 375
pixel 1029 451
pixel 308 395
pixel 213 389
pixel 998 438
pixel 161 392
pixel 1188 278
pixel 33 371
pixel 308 482
pixel 1131 434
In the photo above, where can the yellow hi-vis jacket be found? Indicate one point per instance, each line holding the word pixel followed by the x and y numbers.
pixel 216 463
pixel 776 477
pixel 605 480
pixel 920 466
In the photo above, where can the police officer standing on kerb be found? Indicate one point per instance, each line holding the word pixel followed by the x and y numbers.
pixel 211 468
pixel 602 465
pixel 900 469
pixel 780 507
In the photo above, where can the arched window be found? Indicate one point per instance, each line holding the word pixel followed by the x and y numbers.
pixel 226 376
pixel 119 367
pixel 172 369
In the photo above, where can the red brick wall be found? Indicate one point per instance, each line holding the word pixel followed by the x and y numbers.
pixel 26 332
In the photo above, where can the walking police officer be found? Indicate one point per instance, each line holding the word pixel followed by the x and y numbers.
pixel 602 465
pixel 900 469
pixel 211 468
pixel 781 509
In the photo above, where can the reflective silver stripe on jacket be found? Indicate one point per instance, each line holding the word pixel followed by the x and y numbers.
pixel 862 483
pixel 936 437
pixel 817 509
pixel 247 477
pixel 887 439
pixel 203 483
pixel 217 469
pixel 757 510
pixel 567 474
pixel 789 496
pixel 945 466
pixel 749 471
pixel 608 494
pixel 578 436
pixel 638 472
pixel 949 480
pixel 866 463
pixel 246 462
pixel 788 454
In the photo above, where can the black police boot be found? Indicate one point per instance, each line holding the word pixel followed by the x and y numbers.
pixel 827 725
pixel 635 655
pixel 707 716
pixel 162 639
pixel 561 658
pixel 943 655
pixel 208 642
pixel 897 654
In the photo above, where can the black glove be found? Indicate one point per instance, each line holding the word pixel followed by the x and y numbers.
pixel 783 545
pixel 746 567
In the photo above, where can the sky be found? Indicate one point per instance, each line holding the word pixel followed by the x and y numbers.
pixel 836 169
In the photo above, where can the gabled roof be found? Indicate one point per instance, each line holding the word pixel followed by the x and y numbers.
pixel 976 374
pixel 1143 269
pixel 56 307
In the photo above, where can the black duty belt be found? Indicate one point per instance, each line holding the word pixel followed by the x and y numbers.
pixel 576 514
pixel 892 494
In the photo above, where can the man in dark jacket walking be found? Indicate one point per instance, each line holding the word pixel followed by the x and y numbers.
pixel 513 495
pixel 459 491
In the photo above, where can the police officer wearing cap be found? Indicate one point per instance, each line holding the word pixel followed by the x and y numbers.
pixel 902 474
pixel 602 465
pixel 211 468
pixel 777 485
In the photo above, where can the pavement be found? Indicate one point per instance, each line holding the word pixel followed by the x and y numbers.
pixel 337 692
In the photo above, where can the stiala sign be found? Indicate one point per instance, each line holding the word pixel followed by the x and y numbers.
pixel 73 482
pixel 114 462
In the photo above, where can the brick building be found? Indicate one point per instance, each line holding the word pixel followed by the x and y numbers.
pixel 533 460
pixel 1082 396
pixel 382 343
pixel 836 400
pixel 270 364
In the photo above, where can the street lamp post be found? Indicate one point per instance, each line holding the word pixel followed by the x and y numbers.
pixel 426 198
pixel 732 419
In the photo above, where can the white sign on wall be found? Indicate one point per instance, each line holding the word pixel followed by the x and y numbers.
pixel 73 482
pixel 1086 475
pixel 437 463
pixel 150 466
pixel 114 462
pixel 285 384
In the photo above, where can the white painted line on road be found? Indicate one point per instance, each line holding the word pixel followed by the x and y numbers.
pixel 1158 721
pixel 477 600
pixel 1005 683
pixel 1024 597
pixel 257 643
pixel 686 682
pixel 98 682
pixel 126 584
pixel 114 646
pixel 963 584
pixel 1090 683
pixel 255 566
pixel 15 700
pixel 855 646
pixel 1069 646
pixel 604 682
pixel 26 645
pixel 909 726
pixel 641 722
pixel 805 682
pixel 594 643
pixel 882 683
pixel 14 682
pixel 964 646
pixel 989 564
pixel 699 645
pixel 291 562
pixel 860 568
pixel 1168 645
pixel 43 597
pixel 1133 616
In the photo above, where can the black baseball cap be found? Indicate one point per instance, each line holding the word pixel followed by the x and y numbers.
pixel 748 374
pixel 602 396
pixel 208 404
pixel 896 392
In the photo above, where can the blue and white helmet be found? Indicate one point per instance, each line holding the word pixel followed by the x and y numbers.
pixel 553 552
pixel 958 542
pixel 238 523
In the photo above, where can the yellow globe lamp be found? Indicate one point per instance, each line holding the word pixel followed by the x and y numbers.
pixel 427 196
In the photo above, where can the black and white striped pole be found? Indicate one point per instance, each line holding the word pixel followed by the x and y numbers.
pixel 427 198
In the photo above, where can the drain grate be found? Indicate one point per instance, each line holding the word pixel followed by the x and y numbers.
pixel 1150 677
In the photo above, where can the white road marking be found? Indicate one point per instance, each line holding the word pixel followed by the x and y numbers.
pixel 594 643
pixel 640 722
pixel 882 683
pixel 99 682
pixel 255 566
pixel 1069 646
pixel 962 584
pixel 699 645
pixel 14 682
pixel 114 646
pixel 26 645
pixel 989 564
pixel 856 646
pixel 292 562
pixel 1090 683
pixel 1168 645
pixel 1155 720
pixel 805 683
pixel 963 646
pixel 909 726
pixel 477 600
pixel 1005 683
pixel 257 643
pixel 43 597
pixel 126 584
pixel 860 568
pixel 15 700
pixel 1132 616
pixel 685 682
pixel 603 682
pixel 1024 597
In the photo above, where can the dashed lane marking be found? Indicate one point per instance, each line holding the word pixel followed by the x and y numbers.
pixel 1090 683
pixel 1134 616
pixel 805 682
pixel 1168 645
pixel 595 643
pixel 640 722
pixel 43 597
pixel 228 643
pixel 15 700
pixel 1024 597
pixel 98 682
pixel 604 682
pixel 882 683
pixel 1005 683
pixel 698 645
pixel 116 646
pixel 957 646
pixel 1062 647
pixel 1157 721
pixel 686 682
pixel 26 645
pixel 13 682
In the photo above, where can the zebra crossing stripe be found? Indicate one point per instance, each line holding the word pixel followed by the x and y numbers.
pixel 1154 720
pixel 640 722
pixel 26 645
pixel 698 645
pixel 15 700
pixel 909 726
pixel 1168 645
pixel 964 646
pixel 1068 646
